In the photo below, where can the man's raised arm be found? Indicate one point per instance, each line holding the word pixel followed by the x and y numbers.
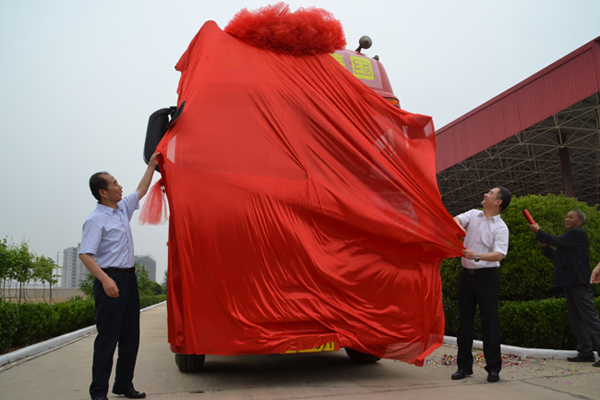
pixel 142 188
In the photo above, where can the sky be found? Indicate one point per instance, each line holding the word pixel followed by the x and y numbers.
pixel 79 79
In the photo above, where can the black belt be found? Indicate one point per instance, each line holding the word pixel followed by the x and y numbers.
pixel 130 270
pixel 478 270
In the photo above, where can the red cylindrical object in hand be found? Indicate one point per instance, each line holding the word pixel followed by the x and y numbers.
pixel 528 216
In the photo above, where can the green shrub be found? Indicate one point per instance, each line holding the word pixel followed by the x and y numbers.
pixel 147 301
pixel 452 314
pixel 525 274
pixel 535 324
pixel 9 317
pixel 28 323
pixel 35 320
pixel 24 324
pixel 73 315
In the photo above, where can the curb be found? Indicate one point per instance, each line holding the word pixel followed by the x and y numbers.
pixel 521 351
pixel 53 343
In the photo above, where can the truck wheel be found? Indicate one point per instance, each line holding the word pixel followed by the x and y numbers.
pixel 189 362
pixel 361 358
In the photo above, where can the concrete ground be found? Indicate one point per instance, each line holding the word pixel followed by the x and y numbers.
pixel 64 373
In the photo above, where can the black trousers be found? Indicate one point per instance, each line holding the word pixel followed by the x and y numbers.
pixel 118 322
pixel 583 318
pixel 481 288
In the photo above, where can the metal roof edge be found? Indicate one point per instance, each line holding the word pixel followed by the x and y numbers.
pixel 591 45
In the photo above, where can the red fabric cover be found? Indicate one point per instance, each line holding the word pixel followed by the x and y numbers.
pixel 304 209
pixel 306 31
pixel 154 211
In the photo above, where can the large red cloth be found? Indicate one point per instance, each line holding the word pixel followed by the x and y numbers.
pixel 303 207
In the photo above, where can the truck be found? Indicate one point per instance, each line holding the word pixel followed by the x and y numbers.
pixel 304 214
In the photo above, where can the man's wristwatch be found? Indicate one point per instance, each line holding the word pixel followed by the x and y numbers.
pixel 477 259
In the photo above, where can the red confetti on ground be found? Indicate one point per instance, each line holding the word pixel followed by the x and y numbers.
pixel 508 360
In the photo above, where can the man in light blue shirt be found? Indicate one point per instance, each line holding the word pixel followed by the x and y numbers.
pixel 107 252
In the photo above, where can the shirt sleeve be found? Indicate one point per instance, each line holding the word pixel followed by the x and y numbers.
pixel 501 240
pixel 90 238
pixel 130 204
pixel 465 217
pixel 549 252
pixel 571 238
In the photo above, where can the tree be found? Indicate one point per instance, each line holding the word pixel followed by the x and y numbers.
pixel 525 274
pixel 156 288
pixel 86 285
pixel 4 263
pixel 145 285
pixel 22 265
pixel 44 272
pixel 164 282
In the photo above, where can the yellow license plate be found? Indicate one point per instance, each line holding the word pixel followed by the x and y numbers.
pixel 326 347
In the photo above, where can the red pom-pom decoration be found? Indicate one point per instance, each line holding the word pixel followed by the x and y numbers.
pixel 306 31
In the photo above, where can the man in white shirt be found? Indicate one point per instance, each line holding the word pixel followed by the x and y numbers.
pixel 486 243
pixel 107 252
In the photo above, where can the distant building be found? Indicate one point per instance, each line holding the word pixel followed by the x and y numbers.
pixel 149 263
pixel 73 270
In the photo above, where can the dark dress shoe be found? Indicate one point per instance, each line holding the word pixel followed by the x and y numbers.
pixel 493 376
pixel 580 358
pixel 100 398
pixel 130 393
pixel 461 374
pixel 596 364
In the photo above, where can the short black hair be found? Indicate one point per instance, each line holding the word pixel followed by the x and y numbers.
pixel 504 195
pixel 98 182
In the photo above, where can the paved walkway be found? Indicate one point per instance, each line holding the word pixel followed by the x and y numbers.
pixel 64 372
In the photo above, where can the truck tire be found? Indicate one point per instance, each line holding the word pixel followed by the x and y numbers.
pixel 189 362
pixel 361 358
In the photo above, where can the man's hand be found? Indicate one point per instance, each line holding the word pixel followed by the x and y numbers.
pixel 108 284
pixel 595 278
pixel 492 256
pixel 153 160
pixel 469 254
pixel 534 228
pixel 110 287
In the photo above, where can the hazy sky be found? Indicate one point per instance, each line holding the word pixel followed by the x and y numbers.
pixel 79 79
